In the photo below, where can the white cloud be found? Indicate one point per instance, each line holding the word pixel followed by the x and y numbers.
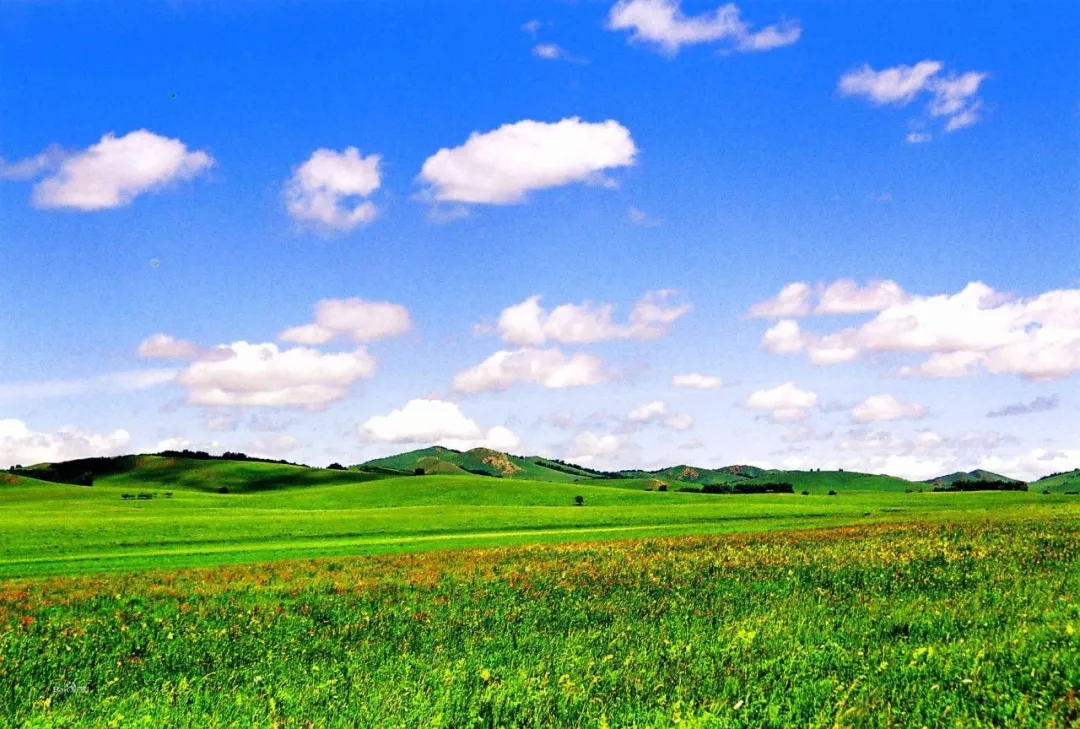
pixel 126 381
pixel 973 331
pixel 528 323
pixel 164 346
pixel 354 319
pixel 531 27
pixel 793 300
pixel 587 448
pixel 325 188
pixel 663 24
pixel 548 51
pixel 438 422
pixel 116 170
pixel 917 137
pixel 263 375
pixel 783 403
pixel 784 337
pixel 22 446
pixel 548 368
pixel 954 97
pixel 647 412
pixel 30 167
pixel 877 408
pixel 898 85
pixel 502 166
pixel 697 381
pixel 845 296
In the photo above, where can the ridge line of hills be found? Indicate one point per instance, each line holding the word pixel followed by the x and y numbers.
pixel 250 473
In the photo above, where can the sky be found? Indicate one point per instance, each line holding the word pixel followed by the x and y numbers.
pixel 629 235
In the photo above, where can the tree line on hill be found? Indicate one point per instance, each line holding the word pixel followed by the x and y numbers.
pixel 227 456
pixel 777 487
pixel 984 486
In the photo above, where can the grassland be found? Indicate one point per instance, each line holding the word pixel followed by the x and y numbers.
pixel 274 512
pixel 973 624
pixel 263 594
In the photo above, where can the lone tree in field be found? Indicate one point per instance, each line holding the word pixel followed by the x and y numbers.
pixel 579 501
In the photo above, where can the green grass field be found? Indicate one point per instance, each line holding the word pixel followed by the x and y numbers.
pixel 309 598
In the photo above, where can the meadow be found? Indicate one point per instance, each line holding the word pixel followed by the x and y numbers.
pixel 276 512
pixel 970 624
pixel 255 594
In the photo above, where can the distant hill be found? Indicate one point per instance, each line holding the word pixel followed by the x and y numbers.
pixel 977 475
pixel 236 472
pixel 481 462
pixel 839 481
pixel 699 476
pixel 149 472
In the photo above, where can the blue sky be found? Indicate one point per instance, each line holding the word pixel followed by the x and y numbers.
pixel 720 153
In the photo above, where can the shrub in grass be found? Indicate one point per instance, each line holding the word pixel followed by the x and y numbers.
pixel 805 493
pixel 579 501
pixel 832 493
pixel 223 490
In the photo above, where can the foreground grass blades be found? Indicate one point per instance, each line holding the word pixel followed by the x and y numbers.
pixel 974 624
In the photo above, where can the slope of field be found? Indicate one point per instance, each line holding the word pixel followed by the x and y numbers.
pixel 480 461
pixel 921 625
pixel 821 482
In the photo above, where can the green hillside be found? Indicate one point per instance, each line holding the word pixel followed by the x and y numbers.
pixel 162 473
pixel 478 461
pixel 840 481
pixel 700 476
pixel 1058 482
pixel 977 475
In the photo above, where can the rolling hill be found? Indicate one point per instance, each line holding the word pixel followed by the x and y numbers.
pixel 977 475
pixel 840 481
pixel 699 476
pixel 478 461
pixel 1058 483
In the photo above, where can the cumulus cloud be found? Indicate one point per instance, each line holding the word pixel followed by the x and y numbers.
pixel 656 412
pixel 663 25
pixel 528 323
pixel 878 408
pixel 263 375
pixel 588 448
pixel 1038 405
pixel 355 319
pixel 435 421
pixel 697 381
pixel 845 296
pixel 113 382
pixel 548 368
pixel 109 174
pixel 973 331
pixel 783 403
pixel 21 446
pixel 331 188
pixel 165 346
pixel 502 166
pixel 793 300
pixel 953 97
